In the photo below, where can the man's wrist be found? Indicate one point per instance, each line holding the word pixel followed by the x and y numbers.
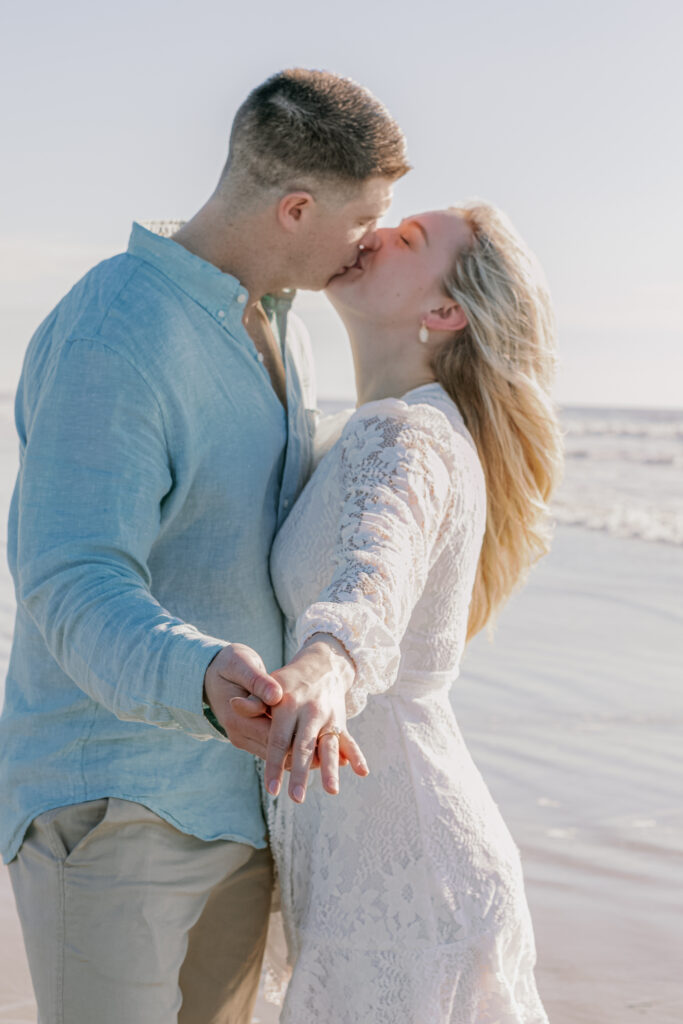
pixel 207 709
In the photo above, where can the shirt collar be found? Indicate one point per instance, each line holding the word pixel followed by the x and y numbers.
pixel 279 302
pixel 204 282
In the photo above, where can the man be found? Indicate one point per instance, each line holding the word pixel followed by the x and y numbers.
pixel 163 416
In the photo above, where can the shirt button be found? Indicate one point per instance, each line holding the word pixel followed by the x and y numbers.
pixel 241 298
pixel 221 314
pixel 260 356
pixel 285 503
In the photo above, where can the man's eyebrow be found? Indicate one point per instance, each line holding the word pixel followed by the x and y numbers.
pixel 420 228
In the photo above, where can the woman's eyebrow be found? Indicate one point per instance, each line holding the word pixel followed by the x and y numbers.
pixel 420 228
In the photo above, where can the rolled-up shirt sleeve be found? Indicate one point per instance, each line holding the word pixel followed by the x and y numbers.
pixel 95 471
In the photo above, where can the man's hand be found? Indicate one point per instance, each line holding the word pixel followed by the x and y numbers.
pixel 310 716
pixel 237 672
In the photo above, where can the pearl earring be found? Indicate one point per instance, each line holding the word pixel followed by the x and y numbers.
pixel 423 333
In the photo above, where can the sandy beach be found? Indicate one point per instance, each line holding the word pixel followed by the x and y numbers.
pixel 573 715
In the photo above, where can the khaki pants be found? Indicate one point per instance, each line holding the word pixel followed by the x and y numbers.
pixel 126 920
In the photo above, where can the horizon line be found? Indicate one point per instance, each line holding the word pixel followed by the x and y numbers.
pixel 589 407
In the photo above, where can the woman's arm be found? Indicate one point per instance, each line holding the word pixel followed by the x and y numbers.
pixel 398 467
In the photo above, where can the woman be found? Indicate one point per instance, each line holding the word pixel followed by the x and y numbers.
pixel 403 898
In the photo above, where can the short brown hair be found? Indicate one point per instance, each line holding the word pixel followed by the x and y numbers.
pixel 302 124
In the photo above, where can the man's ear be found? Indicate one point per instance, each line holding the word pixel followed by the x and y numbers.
pixel 294 209
pixel 449 317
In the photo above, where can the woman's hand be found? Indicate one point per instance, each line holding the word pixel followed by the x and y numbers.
pixel 312 716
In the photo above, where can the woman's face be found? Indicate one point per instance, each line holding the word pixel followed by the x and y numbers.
pixel 401 281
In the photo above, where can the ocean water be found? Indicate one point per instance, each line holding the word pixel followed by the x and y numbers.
pixel 623 471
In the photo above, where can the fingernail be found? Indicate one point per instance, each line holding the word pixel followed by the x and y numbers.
pixel 272 693
pixel 298 794
pixel 273 787
pixel 332 786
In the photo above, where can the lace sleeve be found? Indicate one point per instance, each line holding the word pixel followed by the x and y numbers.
pixel 398 483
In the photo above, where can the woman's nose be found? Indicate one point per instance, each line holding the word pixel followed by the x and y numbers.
pixel 370 241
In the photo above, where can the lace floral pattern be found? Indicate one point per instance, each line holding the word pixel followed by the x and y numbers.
pixel 402 898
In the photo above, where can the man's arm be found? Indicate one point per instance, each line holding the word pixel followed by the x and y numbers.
pixel 94 475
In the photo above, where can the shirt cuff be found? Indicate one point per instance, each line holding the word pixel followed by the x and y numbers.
pixel 186 702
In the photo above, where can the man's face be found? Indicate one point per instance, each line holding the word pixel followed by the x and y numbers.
pixel 337 229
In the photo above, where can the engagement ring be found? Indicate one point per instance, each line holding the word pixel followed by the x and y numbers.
pixel 334 730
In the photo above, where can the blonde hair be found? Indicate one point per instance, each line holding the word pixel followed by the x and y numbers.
pixel 499 370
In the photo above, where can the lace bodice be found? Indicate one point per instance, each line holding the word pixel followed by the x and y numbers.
pixel 399 498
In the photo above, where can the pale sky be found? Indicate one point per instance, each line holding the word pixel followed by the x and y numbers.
pixel 565 115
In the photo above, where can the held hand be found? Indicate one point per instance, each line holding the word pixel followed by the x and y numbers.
pixel 252 707
pixel 312 716
pixel 236 672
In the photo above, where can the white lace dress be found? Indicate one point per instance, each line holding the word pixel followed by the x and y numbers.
pixel 402 898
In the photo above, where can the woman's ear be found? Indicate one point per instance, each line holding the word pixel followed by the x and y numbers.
pixel 449 317
pixel 294 209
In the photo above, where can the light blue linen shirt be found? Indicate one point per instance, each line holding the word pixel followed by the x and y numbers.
pixel 156 463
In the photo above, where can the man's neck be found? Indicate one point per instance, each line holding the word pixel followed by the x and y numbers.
pixel 234 243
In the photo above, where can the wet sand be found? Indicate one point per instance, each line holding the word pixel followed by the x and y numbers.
pixel 574 716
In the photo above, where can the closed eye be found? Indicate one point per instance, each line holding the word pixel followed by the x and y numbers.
pixel 414 225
